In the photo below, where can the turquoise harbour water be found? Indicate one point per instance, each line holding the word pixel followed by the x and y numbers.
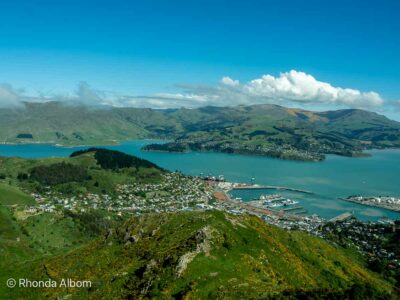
pixel 333 178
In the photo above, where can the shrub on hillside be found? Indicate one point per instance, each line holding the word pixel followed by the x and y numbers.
pixel 110 159
pixel 58 173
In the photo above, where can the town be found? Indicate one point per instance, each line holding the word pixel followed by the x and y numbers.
pixel 173 193
pixel 176 192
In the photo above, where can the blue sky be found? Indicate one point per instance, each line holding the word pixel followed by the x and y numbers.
pixel 143 48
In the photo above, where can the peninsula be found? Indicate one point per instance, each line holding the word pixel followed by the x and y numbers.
pixel 267 130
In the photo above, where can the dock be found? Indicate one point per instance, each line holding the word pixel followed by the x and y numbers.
pixel 222 197
pixel 270 200
pixel 292 208
pixel 268 187
pixel 299 212
pixel 341 217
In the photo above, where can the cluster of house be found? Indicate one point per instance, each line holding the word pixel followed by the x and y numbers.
pixel 40 208
pixel 285 150
pixel 310 224
pixel 176 192
pixel 173 193
pixel 367 237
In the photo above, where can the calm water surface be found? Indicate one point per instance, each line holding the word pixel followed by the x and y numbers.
pixel 335 177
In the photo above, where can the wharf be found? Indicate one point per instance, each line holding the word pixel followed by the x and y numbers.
pixel 299 212
pixel 268 187
pixel 222 197
pixel 341 217
pixel 293 208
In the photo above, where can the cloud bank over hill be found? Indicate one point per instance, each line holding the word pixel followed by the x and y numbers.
pixel 301 87
pixel 288 88
pixel 291 88
pixel 9 97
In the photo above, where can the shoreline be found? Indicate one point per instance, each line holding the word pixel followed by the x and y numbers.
pixel 272 187
pixel 246 153
pixel 397 210
pixel 52 143
pixel 365 154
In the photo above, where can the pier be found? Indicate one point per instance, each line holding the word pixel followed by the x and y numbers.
pixel 224 198
pixel 268 187
pixel 299 212
pixel 293 208
pixel 341 217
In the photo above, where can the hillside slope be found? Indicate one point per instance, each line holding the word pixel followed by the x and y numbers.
pixel 260 129
pixel 286 133
pixel 91 171
pixel 206 255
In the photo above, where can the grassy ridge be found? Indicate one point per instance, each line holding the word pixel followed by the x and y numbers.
pixel 81 173
pixel 192 255
pixel 10 195
pixel 26 240
pixel 208 255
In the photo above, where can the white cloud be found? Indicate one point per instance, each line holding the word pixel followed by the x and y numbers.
pixel 9 97
pixel 84 95
pixel 289 88
pixel 301 87
pixel 190 97
pixel 229 81
pixel 87 95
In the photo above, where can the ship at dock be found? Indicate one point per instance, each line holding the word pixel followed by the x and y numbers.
pixel 275 200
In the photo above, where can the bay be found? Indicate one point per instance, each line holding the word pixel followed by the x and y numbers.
pixel 329 180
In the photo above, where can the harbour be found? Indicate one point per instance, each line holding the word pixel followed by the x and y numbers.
pixel 336 177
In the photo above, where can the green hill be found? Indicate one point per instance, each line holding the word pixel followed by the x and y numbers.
pixel 140 254
pixel 284 133
pixel 206 255
pixel 10 195
pixel 94 170
pixel 260 129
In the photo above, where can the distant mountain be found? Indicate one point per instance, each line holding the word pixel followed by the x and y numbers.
pixel 260 129
pixel 282 132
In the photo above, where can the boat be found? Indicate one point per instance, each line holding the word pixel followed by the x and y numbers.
pixel 276 204
pixel 289 202
pixel 273 197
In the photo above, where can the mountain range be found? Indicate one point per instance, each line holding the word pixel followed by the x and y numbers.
pixel 271 130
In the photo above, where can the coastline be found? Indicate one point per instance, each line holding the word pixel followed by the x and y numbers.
pixel 371 204
pixel 241 168
pixel 365 154
pixel 246 153
pixel 89 144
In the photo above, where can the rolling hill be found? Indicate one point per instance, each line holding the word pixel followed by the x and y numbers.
pixel 204 255
pixel 260 129
pixel 90 171
pixel 74 229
